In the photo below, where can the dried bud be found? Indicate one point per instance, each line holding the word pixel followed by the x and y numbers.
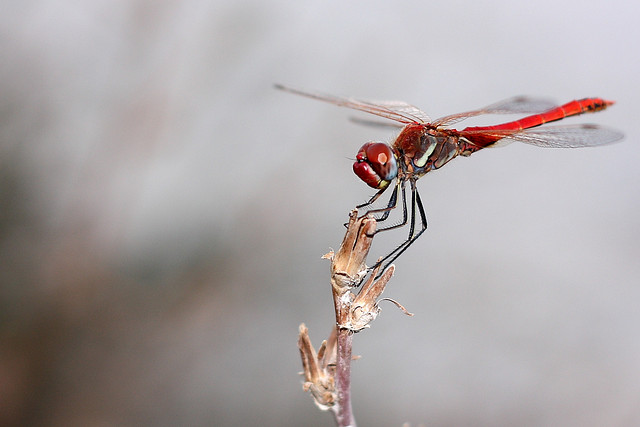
pixel 348 264
pixel 318 372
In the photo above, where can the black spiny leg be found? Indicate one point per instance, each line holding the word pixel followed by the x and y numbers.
pixel 390 205
pixel 413 236
pixel 404 211
pixel 393 202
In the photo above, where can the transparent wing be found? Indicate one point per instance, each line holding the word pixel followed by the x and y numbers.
pixel 394 110
pixel 516 105
pixel 572 136
pixel 375 123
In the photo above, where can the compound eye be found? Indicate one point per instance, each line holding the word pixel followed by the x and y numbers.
pixel 376 164
pixel 379 154
pixel 382 160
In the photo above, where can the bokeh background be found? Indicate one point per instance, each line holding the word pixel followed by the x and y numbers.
pixel 164 210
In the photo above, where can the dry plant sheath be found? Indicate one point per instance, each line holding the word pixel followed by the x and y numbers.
pixel 327 372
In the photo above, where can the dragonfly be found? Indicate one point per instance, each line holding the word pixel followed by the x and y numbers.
pixel 424 145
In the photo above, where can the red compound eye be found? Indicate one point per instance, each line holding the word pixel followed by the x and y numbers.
pixel 376 164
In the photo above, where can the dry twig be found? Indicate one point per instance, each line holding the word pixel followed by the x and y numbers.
pixel 328 372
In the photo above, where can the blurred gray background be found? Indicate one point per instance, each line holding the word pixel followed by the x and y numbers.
pixel 164 210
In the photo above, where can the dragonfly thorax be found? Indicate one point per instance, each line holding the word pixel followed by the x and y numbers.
pixel 423 148
pixel 376 164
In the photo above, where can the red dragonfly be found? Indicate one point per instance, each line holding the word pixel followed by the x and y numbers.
pixel 424 145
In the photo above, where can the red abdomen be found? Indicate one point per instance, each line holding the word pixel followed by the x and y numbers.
pixel 483 136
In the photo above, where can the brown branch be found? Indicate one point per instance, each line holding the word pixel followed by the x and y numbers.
pixel 328 372
pixel 343 411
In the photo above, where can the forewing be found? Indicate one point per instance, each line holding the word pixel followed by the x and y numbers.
pixel 375 123
pixel 515 105
pixel 393 110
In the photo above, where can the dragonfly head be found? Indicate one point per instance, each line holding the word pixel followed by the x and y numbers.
pixel 376 164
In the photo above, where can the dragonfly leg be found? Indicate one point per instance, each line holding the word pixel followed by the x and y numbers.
pixel 416 202
pixel 372 199
pixel 405 216
pixel 393 202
